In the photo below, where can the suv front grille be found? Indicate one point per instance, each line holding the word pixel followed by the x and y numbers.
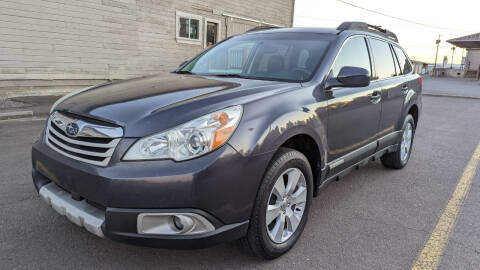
pixel 86 142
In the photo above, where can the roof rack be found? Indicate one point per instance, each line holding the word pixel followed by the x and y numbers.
pixel 262 27
pixel 368 28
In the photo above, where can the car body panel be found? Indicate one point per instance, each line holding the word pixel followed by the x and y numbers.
pixel 352 121
pixel 163 183
pixel 392 102
pixel 154 103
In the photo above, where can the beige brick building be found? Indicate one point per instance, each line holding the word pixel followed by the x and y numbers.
pixel 68 43
pixel 472 60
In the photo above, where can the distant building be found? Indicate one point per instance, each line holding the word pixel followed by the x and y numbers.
pixel 472 60
pixel 69 44
pixel 420 67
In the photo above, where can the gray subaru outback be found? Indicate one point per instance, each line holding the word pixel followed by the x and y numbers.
pixel 235 143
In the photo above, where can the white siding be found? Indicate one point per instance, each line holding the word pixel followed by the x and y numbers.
pixel 111 39
pixel 473 59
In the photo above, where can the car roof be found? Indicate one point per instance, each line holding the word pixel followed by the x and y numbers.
pixel 346 28
pixel 316 30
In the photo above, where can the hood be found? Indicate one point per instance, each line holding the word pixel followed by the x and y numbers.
pixel 150 104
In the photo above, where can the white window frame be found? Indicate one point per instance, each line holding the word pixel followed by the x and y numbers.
pixel 180 14
pixel 205 22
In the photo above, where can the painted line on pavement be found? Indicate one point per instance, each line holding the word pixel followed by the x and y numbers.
pixel 431 254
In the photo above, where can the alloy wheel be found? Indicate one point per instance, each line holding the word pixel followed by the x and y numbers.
pixel 406 143
pixel 286 205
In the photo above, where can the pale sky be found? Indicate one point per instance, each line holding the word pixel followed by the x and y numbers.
pixel 419 41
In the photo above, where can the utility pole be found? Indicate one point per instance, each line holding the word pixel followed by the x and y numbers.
pixel 436 55
pixel 451 62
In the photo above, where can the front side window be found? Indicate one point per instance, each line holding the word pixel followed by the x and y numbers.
pixel 354 53
pixel 284 57
pixel 383 58
pixel 188 26
pixel 402 59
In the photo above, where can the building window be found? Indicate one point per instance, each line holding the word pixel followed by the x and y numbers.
pixel 189 29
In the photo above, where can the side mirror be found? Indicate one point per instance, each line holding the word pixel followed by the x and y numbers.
pixel 350 77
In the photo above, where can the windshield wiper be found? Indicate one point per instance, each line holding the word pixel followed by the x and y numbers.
pixel 184 72
pixel 230 75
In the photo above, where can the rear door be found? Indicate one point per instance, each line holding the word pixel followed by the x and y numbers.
pixel 409 81
pixel 353 112
pixel 389 76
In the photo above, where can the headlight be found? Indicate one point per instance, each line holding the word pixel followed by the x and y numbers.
pixel 190 140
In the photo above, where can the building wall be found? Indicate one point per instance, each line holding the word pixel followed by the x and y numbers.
pixel 473 59
pixel 113 39
pixel 419 67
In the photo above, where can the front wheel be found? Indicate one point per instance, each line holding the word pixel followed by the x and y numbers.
pixel 399 158
pixel 282 205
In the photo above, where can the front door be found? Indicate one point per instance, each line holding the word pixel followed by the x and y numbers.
pixel 212 33
pixel 353 112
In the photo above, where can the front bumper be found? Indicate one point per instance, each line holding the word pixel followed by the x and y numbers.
pixel 122 221
pixel 78 212
pixel 220 186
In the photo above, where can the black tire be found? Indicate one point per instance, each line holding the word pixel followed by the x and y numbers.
pixel 393 160
pixel 257 235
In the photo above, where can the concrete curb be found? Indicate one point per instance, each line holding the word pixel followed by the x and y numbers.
pixel 34 118
pixel 450 96
pixel 16 115
pixel 29 93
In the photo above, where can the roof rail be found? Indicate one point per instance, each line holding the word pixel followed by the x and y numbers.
pixel 368 28
pixel 262 27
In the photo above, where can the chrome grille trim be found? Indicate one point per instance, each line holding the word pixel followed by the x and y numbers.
pixel 86 129
pixel 78 147
pixel 83 152
pixel 100 145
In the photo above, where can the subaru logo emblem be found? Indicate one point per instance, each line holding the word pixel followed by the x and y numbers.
pixel 72 129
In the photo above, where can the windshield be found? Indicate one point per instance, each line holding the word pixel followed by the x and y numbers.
pixel 281 56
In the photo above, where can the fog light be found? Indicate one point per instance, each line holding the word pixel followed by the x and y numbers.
pixel 182 223
pixel 172 223
pixel 178 223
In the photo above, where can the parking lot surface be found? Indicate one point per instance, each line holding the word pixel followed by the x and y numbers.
pixel 374 218
pixel 451 86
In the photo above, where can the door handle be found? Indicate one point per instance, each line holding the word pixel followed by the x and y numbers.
pixel 376 97
pixel 404 89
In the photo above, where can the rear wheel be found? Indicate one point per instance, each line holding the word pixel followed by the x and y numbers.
pixel 399 158
pixel 282 205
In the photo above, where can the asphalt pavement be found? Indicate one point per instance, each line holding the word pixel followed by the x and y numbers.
pixel 375 218
pixel 451 86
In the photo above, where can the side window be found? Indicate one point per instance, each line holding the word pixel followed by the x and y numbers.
pixel 397 68
pixel 402 59
pixel 353 54
pixel 383 58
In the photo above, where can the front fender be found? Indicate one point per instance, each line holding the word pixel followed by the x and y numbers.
pixel 251 142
